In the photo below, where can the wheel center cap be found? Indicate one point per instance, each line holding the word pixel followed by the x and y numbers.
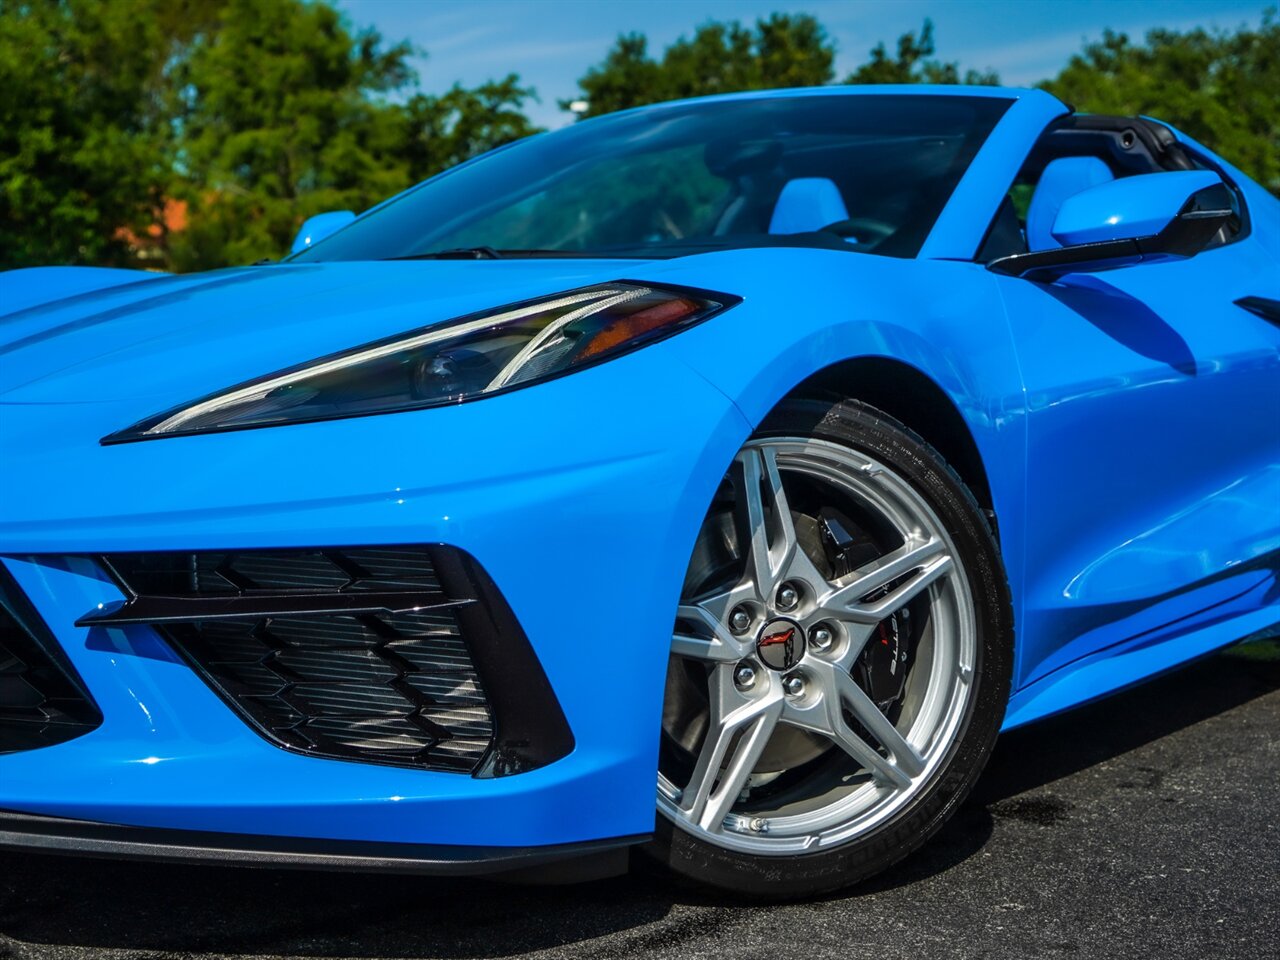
pixel 781 644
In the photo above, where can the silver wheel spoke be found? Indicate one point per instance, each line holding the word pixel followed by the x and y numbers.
pixel 905 757
pixel 699 648
pixel 896 770
pixel 720 644
pixel 779 694
pixel 775 553
pixel 924 562
pixel 740 729
pixel 859 634
pixel 793 562
pixel 760 562
pixel 714 610
pixel 882 769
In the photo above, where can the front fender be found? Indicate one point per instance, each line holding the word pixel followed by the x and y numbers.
pixel 805 310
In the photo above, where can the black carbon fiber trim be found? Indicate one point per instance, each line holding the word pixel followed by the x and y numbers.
pixel 40 834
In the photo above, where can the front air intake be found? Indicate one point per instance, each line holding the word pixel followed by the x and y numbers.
pixel 42 699
pixel 400 655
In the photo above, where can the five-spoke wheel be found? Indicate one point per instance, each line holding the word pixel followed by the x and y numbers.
pixel 826 651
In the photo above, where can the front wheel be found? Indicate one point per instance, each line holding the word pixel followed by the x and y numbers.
pixel 840 661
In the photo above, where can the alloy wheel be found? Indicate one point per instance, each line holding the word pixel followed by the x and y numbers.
pixel 822 657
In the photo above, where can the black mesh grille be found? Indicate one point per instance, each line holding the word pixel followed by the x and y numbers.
pixel 352 653
pixel 42 701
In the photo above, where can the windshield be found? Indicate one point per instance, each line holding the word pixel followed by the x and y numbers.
pixel 863 173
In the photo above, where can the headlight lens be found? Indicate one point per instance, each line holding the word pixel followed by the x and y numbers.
pixel 465 359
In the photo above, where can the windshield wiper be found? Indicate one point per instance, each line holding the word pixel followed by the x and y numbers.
pixel 457 253
pixel 492 253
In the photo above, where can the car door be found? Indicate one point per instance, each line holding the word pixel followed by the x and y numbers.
pixel 1153 452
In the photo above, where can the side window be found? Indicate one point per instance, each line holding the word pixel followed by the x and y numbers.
pixel 1007 234
pixel 1025 221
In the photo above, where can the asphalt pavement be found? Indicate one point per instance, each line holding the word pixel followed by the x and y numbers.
pixel 1141 826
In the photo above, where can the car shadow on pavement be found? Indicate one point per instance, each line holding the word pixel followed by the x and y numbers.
pixel 1029 758
pixel 50 903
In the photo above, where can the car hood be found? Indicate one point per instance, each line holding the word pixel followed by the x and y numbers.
pixel 176 338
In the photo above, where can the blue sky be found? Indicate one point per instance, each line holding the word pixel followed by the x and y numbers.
pixel 550 43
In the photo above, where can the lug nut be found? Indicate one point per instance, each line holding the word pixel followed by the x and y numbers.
pixel 788 597
pixel 794 686
pixel 740 620
pixel 745 676
pixel 821 638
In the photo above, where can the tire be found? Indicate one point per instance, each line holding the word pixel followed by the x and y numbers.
pixel 725 834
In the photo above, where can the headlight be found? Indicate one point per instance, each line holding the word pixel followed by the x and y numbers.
pixel 465 359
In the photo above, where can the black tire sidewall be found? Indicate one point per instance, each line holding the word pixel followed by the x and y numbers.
pixel 873 433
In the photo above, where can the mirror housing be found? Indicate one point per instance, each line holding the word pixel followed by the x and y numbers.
pixel 1127 209
pixel 1140 219
pixel 314 229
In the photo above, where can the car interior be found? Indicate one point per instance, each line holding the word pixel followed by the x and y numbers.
pixel 885 203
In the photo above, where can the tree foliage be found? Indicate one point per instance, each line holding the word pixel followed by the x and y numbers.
pixel 914 64
pixel 253 114
pixel 784 50
pixel 85 135
pixel 278 123
pixel 285 114
pixel 439 131
pixel 1222 88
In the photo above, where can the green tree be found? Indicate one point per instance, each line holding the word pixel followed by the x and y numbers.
pixel 257 113
pixel 86 143
pixel 288 112
pixel 441 131
pixel 914 64
pixel 280 119
pixel 254 113
pixel 784 50
pixel 1221 87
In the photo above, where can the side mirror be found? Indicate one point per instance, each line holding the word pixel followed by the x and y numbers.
pixel 1140 219
pixel 314 229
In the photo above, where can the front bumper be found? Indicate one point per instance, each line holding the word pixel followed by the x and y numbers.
pixel 581 498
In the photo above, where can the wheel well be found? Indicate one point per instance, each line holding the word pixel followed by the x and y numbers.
pixel 909 396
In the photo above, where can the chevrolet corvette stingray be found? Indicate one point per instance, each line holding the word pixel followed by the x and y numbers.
pixel 713 480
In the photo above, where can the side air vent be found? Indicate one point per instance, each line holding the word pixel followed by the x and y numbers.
pixel 42 699
pixel 396 655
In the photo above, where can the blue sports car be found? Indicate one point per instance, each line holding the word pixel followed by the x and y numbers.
pixel 715 479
